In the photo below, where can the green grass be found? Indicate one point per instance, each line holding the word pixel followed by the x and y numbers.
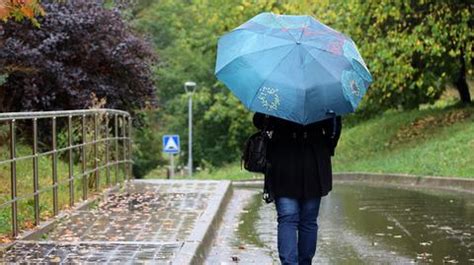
pixel 230 171
pixel 423 142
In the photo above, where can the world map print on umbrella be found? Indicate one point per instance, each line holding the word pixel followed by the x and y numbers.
pixel 353 56
pixel 353 86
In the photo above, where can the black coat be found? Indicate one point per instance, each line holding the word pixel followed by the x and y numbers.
pixel 300 156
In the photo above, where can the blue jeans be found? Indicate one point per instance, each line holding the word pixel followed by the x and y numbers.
pixel 297 229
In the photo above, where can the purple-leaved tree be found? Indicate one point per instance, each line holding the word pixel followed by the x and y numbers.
pixel 80 49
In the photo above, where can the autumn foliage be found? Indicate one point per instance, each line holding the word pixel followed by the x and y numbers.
pixel 20 9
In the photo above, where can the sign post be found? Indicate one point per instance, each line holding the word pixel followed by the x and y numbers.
pixel 171 166
pixel 171 147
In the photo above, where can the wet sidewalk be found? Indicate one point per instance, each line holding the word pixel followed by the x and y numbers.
pixel 149 221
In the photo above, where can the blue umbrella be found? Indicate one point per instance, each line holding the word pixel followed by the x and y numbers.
pixel 292 67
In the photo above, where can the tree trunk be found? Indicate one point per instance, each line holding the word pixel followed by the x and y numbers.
pixel 461 82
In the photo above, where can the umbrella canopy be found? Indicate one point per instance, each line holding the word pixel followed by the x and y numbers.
pixel 292 67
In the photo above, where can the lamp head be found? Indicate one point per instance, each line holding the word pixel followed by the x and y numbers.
pixel 189 86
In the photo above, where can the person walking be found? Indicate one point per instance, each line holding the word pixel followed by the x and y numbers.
pixel 305 75
pixel 299 173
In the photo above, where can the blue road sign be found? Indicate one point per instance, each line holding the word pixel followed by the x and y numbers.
pixel 171 144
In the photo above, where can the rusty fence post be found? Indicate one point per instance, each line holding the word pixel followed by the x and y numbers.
pixel 84 148
pixel 35 171
pixel 55 168
pixel 116 148
pixel 107 155
pixel 13 178
pixel 124 148
pixel 130 147
pixel 71 162
pixel 96 155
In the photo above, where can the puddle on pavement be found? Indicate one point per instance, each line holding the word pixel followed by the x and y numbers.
pixel 362 224
pixel 421 225
pixel 248 219
pixel 236 240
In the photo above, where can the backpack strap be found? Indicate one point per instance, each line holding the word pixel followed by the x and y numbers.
pixel 266 122
pixel 267 186
pixel 268 196
pixel 334 123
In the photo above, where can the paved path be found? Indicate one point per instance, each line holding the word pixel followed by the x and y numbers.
pixel 151 221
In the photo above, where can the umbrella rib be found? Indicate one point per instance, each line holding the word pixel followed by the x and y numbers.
pixel 316 60
pixel 302 30
pixel 321 49
pixel 263 50
pixel 273 70
pixel 281 25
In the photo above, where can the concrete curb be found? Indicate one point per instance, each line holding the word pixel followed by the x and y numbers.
pixel 406 180
pixel 444 183
pixel 198 243
pixel 248 182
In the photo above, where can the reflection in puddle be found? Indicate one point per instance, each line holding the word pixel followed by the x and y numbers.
pixel 425 226
pixel 248 219
pixel 236 240
pixel 373 225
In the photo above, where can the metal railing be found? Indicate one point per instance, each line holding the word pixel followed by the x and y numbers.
pixel 109 129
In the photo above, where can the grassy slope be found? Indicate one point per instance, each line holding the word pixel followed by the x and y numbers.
pixel 428 142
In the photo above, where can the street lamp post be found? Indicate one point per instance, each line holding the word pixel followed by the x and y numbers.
pixel 189 87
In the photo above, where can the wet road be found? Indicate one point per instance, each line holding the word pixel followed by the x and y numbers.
pixel 358 225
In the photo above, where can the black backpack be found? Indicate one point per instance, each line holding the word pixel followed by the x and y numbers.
pixel 255 160
pixel 254 157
